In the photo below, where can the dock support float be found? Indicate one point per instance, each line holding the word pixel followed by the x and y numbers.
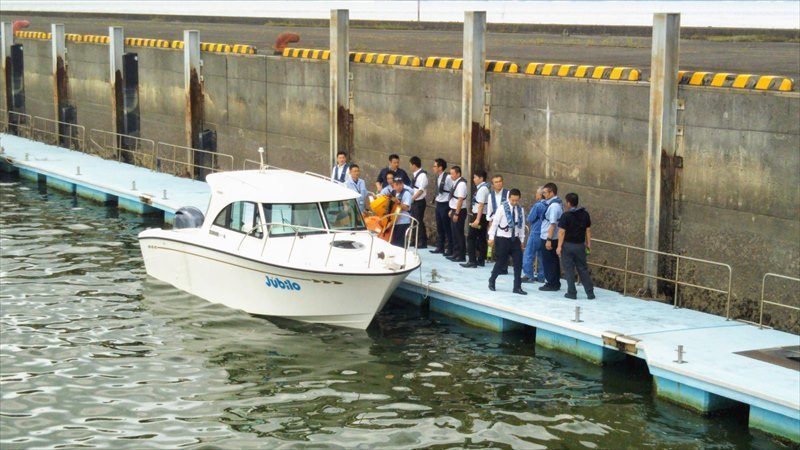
pixel 775 424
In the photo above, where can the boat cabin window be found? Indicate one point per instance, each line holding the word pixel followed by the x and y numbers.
pixel 242 217
pixel 343 215
pixel 286 219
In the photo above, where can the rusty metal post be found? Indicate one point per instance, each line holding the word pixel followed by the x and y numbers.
pixel 193 92
pixel 661 135
pixel 473 85
pixel 5 55
pixel 340 117
pixel 116 48
pixel 60 79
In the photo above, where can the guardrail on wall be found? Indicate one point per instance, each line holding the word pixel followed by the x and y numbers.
pixel 168 160
pixel 762 302
pixel 62 134
pixel 124 148
pixel 676 281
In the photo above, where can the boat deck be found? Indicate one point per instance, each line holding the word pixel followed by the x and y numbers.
pixel 713 376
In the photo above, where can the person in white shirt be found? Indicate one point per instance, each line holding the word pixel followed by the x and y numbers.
pixel 498 195
pixel 444 231
pixel 355 183
pixel 507 235
pixel 458 214
pixel 419 181
pixel 476 235
pixel 341 171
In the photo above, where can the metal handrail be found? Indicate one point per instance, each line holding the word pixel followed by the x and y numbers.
pixel 324 177
pixel 761 303
pixel 49 128
pixel 143 148
pixel 414 225
pixel 676 281
pixel 190 155
pixel 21 123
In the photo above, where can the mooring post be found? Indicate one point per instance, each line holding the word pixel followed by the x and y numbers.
pixel 339 83
pixel 193 92
pixel 59 55
pixel 473 84
pixel 662 131
pixel 7 42
pixel 116 48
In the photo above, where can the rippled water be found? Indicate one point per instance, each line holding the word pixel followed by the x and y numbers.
pixel 94 354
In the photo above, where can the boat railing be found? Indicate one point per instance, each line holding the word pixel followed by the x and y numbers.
pixel 183 161
pixel 412 229
pixel 62 134
pixel 324 177
pixel 762 302
pixel 253 164
pixel 676 281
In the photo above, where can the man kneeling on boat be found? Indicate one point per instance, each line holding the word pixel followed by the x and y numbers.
pixel 401 202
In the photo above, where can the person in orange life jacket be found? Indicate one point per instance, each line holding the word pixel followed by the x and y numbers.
pixel 506 235
pixel 394 167
pixel 458 214
pixel 549 235
pixel 444 230
pixel 419 181
pixel 355 183
pixel 574 239
pixel 476 235
pixel 402 198
pixel 340 171
pixel 498 195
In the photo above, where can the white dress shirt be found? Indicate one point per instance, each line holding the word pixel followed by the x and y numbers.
pixel 500 221
pixel 443 194
pixel 421 183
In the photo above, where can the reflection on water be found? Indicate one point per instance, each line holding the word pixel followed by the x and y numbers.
pixel 94 354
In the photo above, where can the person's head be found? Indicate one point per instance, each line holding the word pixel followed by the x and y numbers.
pixel 572 200
pixel 389 178
pixel 497 183
pixel 397 184
pixel 415 163
pixel 479 176
pixel 513 196
pixel 341 158
pixel 355 171
pixel 394 161
pixel 439 165
pixel 549 190
pixel 455 172
pixel 539 193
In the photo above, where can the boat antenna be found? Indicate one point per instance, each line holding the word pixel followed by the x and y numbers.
pixel 261 158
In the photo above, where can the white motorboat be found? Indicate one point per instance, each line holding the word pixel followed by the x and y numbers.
pixel 280 243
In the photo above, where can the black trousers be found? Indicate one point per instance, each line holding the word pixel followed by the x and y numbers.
pixel 418 212
pixel 459 243
pixel 552 264
pixel 398 238
pixel 444 229
pixel 476 242
pixel 573 256
pixel 503 247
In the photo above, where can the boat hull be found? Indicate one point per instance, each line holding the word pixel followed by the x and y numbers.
pixel 259 287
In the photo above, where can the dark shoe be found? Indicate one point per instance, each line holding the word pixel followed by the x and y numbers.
pixel 462 259
pixel 422 247
pixel 437 250
pixel 520 291
pixel 447 254
pixel 590 296
pixel 571 296
pixel 491 285
pixel 547 287
pixel 450 257
pixel 525 279
pixel 469 265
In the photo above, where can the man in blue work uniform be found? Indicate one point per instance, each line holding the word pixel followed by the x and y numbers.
pixel 355 183
pixel 552 265
pixel 506 235
pixel 533 249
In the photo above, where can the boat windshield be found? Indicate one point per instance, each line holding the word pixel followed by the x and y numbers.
pixel 300 218
pixel 343 215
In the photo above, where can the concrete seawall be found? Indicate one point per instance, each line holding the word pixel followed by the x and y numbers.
pixel 732 185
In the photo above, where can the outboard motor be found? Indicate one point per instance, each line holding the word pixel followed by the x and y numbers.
pixel 188 217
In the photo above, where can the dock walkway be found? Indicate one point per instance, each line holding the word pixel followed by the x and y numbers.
pixel 713 376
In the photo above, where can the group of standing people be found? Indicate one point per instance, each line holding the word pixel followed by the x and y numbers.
pixel 560 231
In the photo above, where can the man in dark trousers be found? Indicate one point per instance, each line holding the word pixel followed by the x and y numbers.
pixel 574 241
pixel 444 231
pixel 458 214
pixel 552 266
pixel 419 181
pixel 507 235
pixel 476 235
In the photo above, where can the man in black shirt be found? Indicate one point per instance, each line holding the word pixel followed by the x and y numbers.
pixel 394 166
pixel 574 241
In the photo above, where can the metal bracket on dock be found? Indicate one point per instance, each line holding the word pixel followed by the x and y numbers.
pixel 621 342
pixel 147 199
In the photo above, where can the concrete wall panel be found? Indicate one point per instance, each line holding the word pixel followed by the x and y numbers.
pixel 161 94
pixel 38 78
pixel 90 89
